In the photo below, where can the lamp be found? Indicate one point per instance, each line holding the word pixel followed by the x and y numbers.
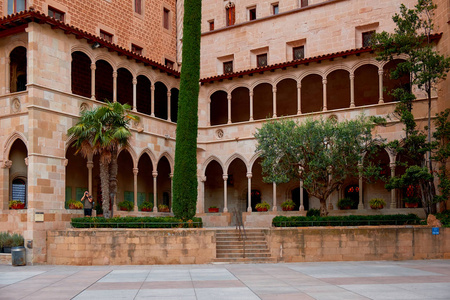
pixel 95 45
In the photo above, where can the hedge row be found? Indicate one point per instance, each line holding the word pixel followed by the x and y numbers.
pixel 135 222
pixel 281 221
pixel 444 217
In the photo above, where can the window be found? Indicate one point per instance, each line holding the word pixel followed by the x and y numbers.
pixel 106 36
pixel 19 190
pixel 303 3
pixel 228 67
pixel 169 63
pixel 15 6
pixel 261 60
pixel 138 6
pixel 230 9
pixel 136 49
pixel 166 19
pixel 252 13
pixel 211 25
pixel 366 38
pixel 298 52
pixel 275 9
pixel 56 14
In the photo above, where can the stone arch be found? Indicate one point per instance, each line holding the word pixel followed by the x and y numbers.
pixel 210 159
pixel 124 86
pixel 162 80
pixel 367 61
pixel 287 97
pixel 104 83
pixel 169 159
pixel 81 74
pixel 312 93
pixel 150 155
pixel 262 100
pixel 218 113
pixel 13 45
pixel 336 68
pixel 146 74
pixel 258 82
pixel 10 141
pixel 106 58
pixel 132 154
pixel 240 105
pixel 232 158
pixel 306 74
pixel 366 84
pixel 283 77
pixel 126 65
pixel 84 49
pixel 18 69
pixel 160 100
pixel 253 159
pixel 236 86
pixel 338 88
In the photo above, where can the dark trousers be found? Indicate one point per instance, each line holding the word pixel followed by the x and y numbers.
pixel 88 212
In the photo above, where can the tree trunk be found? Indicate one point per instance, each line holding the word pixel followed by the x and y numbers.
pixel 113 168
pixel 104 181
pixel 323 208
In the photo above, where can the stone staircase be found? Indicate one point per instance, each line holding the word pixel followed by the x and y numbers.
pixel 229 249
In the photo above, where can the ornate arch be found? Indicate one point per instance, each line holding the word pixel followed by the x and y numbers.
pixel 169 159
pixel 232 158
pixel 132 154
pixel 337 68
pixel 13 45
pixel 10 141
pixel 253 159
pixel 236 86
pixel 108 59
pixel 208 160
pixel 83 49
pixel 150 155
pixel 124 65
pixel 286 76
pixel 146 74
pixel 258 82
pixel 367 61
pixel 305 74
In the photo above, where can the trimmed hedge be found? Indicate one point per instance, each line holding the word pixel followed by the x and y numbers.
pixel 281 221
pixel 444 217
pixel 135 222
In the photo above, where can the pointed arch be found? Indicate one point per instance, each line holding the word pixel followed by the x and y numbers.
pixel 253 159
pixel 169 159
pixel 150 155
pixel 210 159
pixel 10 141
pixel 232 158
pixel 132 154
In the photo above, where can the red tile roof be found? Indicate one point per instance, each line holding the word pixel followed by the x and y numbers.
pixel 16 23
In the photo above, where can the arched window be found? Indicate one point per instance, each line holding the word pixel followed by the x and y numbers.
pixel 18 191
pixel 18 69
pixel 230 9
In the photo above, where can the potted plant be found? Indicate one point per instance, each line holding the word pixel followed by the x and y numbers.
pixel 213 209
pixel 17 240
pixel 377 203
pixel 163 208
pixel 125 205
pixel 288 205
pixel 345 203
pixel 74 204
pixel 16 204
pixel 146 206
pixel 7 242
pixel 412 202
pixel 263 206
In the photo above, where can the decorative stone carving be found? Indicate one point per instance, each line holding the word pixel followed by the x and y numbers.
pixel 84 106
pixel 219 133
pixel 26 161
pixel 6 164
pixel 16 105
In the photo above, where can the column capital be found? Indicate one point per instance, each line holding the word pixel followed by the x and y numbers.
pixel 134 81
pixel 352 76
pixel 135 171
pixel 392 165
pixel 93 66
pixel 380 71
pixel 90 164
pixel 169 93
pixel 6 164
pixel 155 174
pixel 251 93
pixel 152 87
pixel 171 175
pixel 228 96
pixel 274 89
pixel 202 178
pixel 324 81
pixel 225 177
pixel 114 74
pixel 299 85
pixel 249 174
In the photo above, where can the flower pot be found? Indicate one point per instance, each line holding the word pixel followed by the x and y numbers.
pixel 18 206
pixel 164 210
pixel 411 205
pixel 377 207
pixel 213 209
pixel 71 206
pixel 288 208
pixel 146 209
pixel 262 209
pixel 123 209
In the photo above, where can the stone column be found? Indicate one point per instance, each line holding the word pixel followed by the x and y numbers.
pixel 299 98
pixel 393 200
pixel 324 84
pixel 380 86
pixel 274 102
pixel 155 200
pixel 152 100
pixel 171 191
pixel 251 105
pixel 229 108
pixel 352 90
pixel 4 187
pixel 8 75
pixel 93 68
pixel 201 209
pixel 208 123
pixel 302 206
pixel 225 196
pixel 134 94
pixel 360 186
pixel 90 166
pixel 274 196
pixel 114 86
pixel 169 94
pixel 249 193
pixel 135 187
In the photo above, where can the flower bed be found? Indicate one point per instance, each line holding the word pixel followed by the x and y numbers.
pixel 135 222
pixel 300 221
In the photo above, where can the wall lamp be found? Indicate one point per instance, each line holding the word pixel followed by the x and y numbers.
pixel 95 45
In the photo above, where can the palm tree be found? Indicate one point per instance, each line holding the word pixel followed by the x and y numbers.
pixel 104 130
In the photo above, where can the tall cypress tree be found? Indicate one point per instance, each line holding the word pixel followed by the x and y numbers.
pixel 185 174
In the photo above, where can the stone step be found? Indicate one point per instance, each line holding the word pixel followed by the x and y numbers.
pixel 240 255
pixel 225 247
pixel 253 260
pixel 233 251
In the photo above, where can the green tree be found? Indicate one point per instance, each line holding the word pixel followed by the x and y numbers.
pixel 103 131
pixel 322 153
pixel 185 174
pixel 426 67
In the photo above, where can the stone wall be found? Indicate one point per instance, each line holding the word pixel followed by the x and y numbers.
pixel 130 246
pixel 358 243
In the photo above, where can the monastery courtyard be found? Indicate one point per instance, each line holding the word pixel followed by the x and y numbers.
pixel 408 280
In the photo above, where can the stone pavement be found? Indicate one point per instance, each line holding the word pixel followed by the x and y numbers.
pixel 319 280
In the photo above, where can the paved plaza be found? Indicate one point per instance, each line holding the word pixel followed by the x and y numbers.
pixel 319 280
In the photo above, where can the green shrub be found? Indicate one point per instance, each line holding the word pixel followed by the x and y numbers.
pixel 444 217
pixel 263 205
pixel 134 222
pixel 313 212
pixel 377 203
pixel 288 204
pixel 6 239
pixel 17 240
pixel 300 221
pixel 146 205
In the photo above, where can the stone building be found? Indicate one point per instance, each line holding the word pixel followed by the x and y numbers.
pixel 259 59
